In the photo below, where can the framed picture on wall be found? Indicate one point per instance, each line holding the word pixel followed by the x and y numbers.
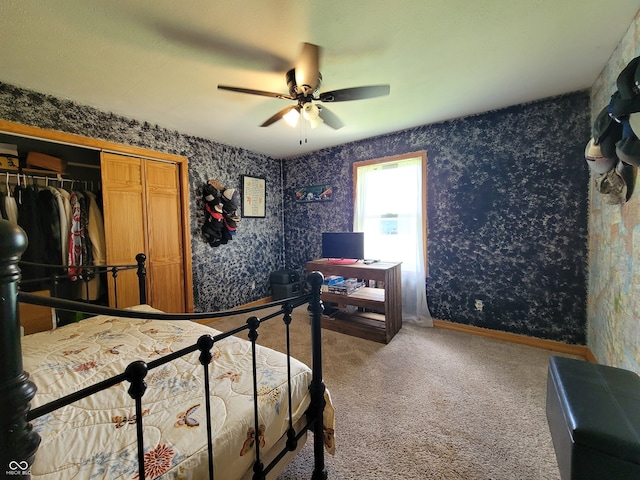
pixel 314 193
pixel 253 196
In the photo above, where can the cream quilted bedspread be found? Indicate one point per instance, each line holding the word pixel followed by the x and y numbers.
pixel 95 437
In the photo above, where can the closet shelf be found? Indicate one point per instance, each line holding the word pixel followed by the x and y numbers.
pixel 39 171
pixel 83 165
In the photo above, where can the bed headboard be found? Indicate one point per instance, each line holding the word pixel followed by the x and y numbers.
pixel 17 438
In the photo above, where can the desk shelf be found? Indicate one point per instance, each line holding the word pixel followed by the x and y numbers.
pixel 383 316
pixel 365 297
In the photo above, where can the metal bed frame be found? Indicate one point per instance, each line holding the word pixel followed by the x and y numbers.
pixel 19 442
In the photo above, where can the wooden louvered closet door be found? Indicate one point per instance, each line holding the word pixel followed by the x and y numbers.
pixel 164 230
pixel 142 212
pixel 124 222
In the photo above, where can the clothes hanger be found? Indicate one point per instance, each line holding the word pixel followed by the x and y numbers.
pixel 9 192
pixel 19 188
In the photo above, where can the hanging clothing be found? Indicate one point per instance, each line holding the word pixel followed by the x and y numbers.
pixel 27 218
pixel 63 224
pixel 65 196
pixel 87 249
pixel 76 234
pixel 95 229
pixel 49 219
pixel 95 233
pixel 3 210
pixel 11 208
pixel 80 250
pixel 63 228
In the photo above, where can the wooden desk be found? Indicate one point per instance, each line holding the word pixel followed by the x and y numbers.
pixel 386 319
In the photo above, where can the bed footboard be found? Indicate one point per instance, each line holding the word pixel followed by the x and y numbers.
pixel 19 442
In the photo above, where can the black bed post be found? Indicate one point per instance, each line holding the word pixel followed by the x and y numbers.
pixel 18 442
pixel 317 387
pixel 142 277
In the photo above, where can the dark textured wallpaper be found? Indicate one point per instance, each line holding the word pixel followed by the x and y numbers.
pixel 507 213
pixel 507 208
pixel 222 276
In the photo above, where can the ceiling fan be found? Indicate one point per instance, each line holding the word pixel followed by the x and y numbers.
pixel 304 81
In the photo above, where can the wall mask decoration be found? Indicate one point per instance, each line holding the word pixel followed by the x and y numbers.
pixel 221 218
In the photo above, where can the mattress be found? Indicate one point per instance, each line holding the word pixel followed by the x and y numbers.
pixel 95 438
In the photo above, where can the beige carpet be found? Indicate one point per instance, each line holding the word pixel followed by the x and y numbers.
pixel 432 404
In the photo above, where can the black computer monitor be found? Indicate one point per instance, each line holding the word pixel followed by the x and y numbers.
pixel 343 247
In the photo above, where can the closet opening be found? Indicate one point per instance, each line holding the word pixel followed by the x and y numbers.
pixel 59 206
pixel 137 190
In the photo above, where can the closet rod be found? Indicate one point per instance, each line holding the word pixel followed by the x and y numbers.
pixel 57 178
pixel 52 176
pixel 28 172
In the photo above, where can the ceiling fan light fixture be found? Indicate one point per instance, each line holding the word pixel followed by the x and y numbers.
pixel 291 117
pixel 311 113
pixel 315 122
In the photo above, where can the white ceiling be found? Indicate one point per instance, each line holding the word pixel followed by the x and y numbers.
pixel 160 61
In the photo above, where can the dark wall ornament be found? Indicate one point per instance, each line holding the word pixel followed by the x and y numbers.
pixel 314 193
pixel 220 218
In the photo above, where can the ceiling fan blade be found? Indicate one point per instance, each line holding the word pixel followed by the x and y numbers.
pixel 279 115
pixel 220 48
pixel 308 68
pixel 256 92
pixel 330 118
pixel 355 93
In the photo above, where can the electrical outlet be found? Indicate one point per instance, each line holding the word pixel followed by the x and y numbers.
pixel 479 305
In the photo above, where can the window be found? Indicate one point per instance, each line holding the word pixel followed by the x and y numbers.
pixel 390 208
